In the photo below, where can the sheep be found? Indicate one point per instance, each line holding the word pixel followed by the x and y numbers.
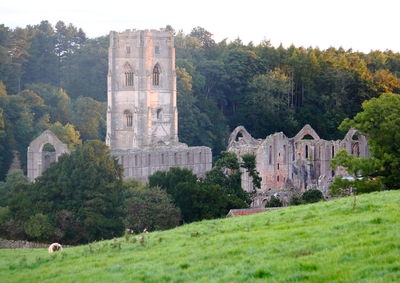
pixel 54 247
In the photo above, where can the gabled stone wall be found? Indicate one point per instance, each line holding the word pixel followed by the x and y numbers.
pixel 289 165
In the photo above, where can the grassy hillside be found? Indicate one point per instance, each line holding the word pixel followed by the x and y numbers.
pixel 328 241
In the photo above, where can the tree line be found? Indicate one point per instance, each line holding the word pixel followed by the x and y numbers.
pixel 55 74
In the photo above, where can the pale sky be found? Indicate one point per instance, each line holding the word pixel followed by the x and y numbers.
pixel 357 24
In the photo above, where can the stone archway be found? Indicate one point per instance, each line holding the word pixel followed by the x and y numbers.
pixel 37 160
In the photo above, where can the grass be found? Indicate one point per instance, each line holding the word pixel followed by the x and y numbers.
pixel 324 242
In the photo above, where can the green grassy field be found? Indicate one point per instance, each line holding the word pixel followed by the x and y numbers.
pixel 324 242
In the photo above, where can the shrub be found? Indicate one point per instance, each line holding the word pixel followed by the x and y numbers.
pixel 38 227
pixel 312 195
pixel 295 200
pixel 151 209
pixel 274 202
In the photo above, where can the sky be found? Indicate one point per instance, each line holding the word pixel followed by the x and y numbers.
pixel 362 25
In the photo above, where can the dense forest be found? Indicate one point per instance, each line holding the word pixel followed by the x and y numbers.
pixel 55 77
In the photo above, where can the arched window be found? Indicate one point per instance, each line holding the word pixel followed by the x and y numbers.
pixel 128 80
pixel 156 75
pixel 270 155
pixel 128 118
pixel 159 110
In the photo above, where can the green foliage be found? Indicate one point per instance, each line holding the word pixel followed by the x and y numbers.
pixel 67 134
pixel 249 163
pixel 274 202
pixel 13 178
pixel 380 121
pixel 38 227
pixel 82 196
pixel 312 195
pixel 295 200
pixel 196 199
pixel 227 175
pixel 345 187
pixel 151 209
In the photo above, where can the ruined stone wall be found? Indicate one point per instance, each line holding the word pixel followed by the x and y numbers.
pixel 38 160
pixel 139 164
pixel 293 165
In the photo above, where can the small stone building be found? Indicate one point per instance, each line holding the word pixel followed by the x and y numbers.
pixel 288 165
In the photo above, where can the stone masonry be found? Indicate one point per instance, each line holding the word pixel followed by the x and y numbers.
pixel 142 116
pixel 289 165
pixel 38 159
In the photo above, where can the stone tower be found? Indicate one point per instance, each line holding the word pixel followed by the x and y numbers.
pixel 142 117
pixel 141 108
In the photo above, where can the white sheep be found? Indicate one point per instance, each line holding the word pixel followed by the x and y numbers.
pixel 54 247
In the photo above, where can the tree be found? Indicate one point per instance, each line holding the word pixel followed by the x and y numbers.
pixel 67 134
pixel 81 195
pixel 312 195
pixel 274 202
pixel 227 175
pixel 5 148
pixel 89 118
pixel 380 121
pixel 13 178
pixel 196 199
pixel 150 208
pixel 249 163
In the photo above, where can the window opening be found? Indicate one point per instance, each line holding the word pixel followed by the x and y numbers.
pixel 128 75
pixel 156 75
pixel 157 49
pixel 270 154
pixel 159 110
pixel 306 151
pixel 128 118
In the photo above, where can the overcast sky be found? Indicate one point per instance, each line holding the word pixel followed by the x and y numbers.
pixel 361 25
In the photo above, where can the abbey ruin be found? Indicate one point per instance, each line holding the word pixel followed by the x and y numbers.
pixel 142 116
pixel 142 128
pixel 293 165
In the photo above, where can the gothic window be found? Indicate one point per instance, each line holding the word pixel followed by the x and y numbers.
pixel 306 151
pixel 270 155
pixel 128 78
pixel 333 151
pixel 157 49
pixel 156 75
pixel 159 110
pixel 355 149
pixel 128 118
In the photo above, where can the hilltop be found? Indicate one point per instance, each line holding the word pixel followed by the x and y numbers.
pixel 333 241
